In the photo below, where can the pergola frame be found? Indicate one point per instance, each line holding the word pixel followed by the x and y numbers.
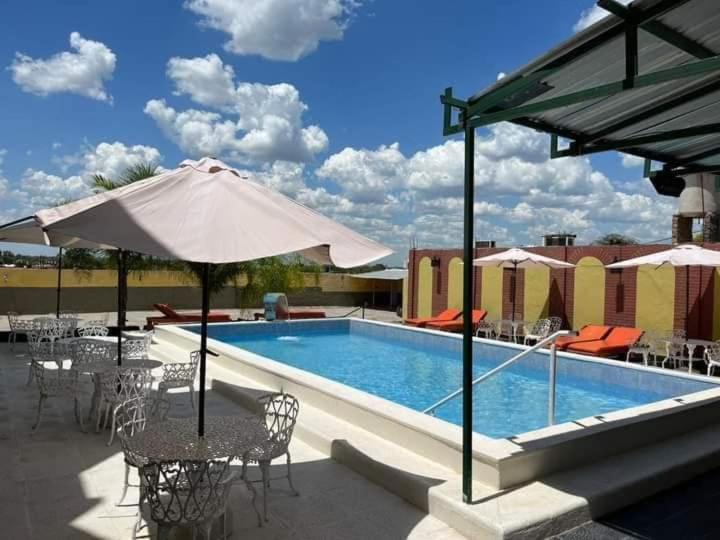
pixel 508 102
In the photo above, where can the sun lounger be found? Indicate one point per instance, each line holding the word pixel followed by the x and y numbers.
pixel 173 317
pixel 444 316
pixel 457 324
pixel 616 343
pixel 589 332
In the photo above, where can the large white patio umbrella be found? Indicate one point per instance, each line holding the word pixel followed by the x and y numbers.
pixel 519 258
pixel 29 232
pixel 206 212
pixel 686 255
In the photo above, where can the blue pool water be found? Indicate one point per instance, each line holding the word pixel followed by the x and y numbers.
pixel 416 369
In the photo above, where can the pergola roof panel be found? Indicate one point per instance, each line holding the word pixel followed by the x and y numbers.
pixel 644 80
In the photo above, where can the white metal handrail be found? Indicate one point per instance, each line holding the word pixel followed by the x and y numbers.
pixel 485 376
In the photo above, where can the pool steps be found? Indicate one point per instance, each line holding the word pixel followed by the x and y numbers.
pixel 539 509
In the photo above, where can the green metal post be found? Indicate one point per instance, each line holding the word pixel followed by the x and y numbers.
pixel 469 218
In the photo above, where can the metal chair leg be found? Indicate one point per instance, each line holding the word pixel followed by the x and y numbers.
pixel 289 476
pixel 125 485
pixel 265 469
pixel 39 411
pixel 192 396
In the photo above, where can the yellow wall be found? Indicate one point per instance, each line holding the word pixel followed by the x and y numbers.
pixel 424 288
pixel 537 293
pixel 47 278
pixel 589 297
pixel 491 291
pixel 655 302
pixel 405 298
pixel 455 283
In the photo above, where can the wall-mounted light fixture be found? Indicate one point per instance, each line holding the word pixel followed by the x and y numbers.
pixel 435 261
pixel 616 270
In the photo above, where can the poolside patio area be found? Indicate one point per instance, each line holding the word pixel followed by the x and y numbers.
pixel 61 483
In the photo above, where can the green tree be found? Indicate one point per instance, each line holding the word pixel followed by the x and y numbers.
pixel 615 239
pixel 134 173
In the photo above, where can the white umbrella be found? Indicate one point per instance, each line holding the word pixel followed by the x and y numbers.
pixel 29 232
pixel 686 255
pixel 519 258
pixel 206 212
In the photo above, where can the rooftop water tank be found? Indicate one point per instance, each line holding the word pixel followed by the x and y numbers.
pixel 699 196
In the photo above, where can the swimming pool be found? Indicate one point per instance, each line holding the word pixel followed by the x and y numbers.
pixel 415 369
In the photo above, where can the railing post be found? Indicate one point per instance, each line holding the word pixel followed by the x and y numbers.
pixel 552 383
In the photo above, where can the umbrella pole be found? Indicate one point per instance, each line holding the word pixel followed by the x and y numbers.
pixel 59 282
pixel 120 303
pixel 514 290
pixel 687 299
pixel 203 346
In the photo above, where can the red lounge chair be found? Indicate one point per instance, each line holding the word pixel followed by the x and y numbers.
pixel 617 342
pixel 448 315
pixel 457 324
pixel 589 332
pixel 173 317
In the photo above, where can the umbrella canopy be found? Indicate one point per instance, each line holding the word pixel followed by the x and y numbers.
pixel 682 255
pixel 30 232
pixel 204 211
pixel 519 258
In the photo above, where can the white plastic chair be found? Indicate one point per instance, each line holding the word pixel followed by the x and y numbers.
pixel 486 329
pixel 712 357
pixel 643 347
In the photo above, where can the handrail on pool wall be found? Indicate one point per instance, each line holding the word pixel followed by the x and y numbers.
pixel 485 376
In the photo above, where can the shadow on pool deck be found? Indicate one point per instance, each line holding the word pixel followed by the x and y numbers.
pixel 58 482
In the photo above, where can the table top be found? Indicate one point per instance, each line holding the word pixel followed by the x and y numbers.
pixel 108 339
pixel 177 438
pixel 101 366
pixel 699 342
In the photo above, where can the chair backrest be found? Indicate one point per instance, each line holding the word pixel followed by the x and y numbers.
pixel 93 328
pixel 41 350
pixel 67 314
pixel 592 332
pixel 449 314
pixel 555 324
pixel 167 311
pixel 133 416
pixel 712 353
pixel 183 371
pixel 84 351
pixel 16 323
pixel 478 315
pixel 49 328
pixel 186 492
pixel 280 412
pixel 125 383
pixel 624 335
pixel 678 334
pixel 541 327
pixel 63 380
pixel 675 349
pixel 135 349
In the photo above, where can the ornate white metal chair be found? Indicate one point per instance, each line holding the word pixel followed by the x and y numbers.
pixel 712 357
pixel 280 412
pixel 675 353
pixel 186 494
pixel 132 417
pixel 56 383
pixel 505 330
pixel 180 375
pixel 137 348
pixel 487 329
pixel 538 331
pixel 43 350
pixel 117 386
pixel 92 329
pixel 49 328
pixel 555 324
pixel 644 347
pixel 18 327
pixel 85 351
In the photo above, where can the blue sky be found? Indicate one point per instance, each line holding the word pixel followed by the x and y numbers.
pixel 334 102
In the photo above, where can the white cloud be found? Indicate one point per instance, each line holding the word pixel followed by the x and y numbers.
pixel 39 189
pixel 83 72
pixel 275 29
pixel 3 181
pixel 630 161
pixel 268 125
pixel 592 15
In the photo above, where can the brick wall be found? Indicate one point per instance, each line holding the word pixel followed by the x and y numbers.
pixel 620 287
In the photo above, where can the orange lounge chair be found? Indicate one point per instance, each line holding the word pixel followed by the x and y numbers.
pixel 448 315
pixel 457 324
pixel 589 332
pixel 284 315
pixel 173 317
pixel 617 342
